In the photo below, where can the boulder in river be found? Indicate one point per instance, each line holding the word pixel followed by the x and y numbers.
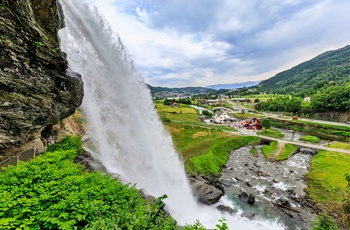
pixel 308 151
pixel 206 194
pixel 250 199
pixel 224 208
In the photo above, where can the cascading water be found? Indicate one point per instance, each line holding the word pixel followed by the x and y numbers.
pixel 129 138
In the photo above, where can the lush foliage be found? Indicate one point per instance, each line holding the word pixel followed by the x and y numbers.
pixel 327 182
pixel 51 192
pixel 266 124
pixel 331 66
pixel 332 98
pixel 281 104
pixel 207 113
pixel 324 222
pixel 181 100
pixel 311 139
pixel 211 163
pixel 323 131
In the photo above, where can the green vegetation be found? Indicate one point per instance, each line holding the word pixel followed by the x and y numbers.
pixel 327 181
pixel 286 152
pixel 271 133
pixel 269 150
pixel 254 151
pixel 266 124
pixel 307 77
pixel 311 139
pixel 51 192
pixel 339 145
pixel 210 163
pixel 323 131
pixel 324 222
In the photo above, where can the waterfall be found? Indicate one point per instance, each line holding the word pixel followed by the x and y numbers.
pixel 128 136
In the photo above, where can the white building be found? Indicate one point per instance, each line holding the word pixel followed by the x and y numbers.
pixel 219 117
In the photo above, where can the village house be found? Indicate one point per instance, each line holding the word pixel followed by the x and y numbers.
pixel 252 123
pixel 219 117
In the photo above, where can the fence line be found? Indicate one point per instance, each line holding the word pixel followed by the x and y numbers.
pixel 25 155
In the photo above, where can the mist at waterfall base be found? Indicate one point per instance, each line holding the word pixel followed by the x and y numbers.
pixel 129 138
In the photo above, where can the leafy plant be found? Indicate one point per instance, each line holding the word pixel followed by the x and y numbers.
pixel 324 222
pixel 52 192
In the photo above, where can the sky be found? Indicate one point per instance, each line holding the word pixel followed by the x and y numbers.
pixel 180 43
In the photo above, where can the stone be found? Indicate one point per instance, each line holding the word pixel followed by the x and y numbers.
pixel 36 90
pixel 224 208
pixel 307 151
pixel 250 199
pixel 248 215
pixel 206 194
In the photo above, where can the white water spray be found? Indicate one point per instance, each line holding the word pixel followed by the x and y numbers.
pixel 130 139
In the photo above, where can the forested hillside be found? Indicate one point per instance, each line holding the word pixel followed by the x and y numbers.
pixel 331 67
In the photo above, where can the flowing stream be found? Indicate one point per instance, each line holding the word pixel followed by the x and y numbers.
pixel 129 139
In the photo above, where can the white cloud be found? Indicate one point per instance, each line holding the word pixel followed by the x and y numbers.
pixel 202 42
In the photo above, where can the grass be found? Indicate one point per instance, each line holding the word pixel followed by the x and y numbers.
pixel 205 150
pixel 311 139
pixel 339 145
pixel 245 115
pixel 327 184
pixel 268 150
pixel 185 115
pixel 271 133
pixel 286 152
pixel 254 151
pixel 211 163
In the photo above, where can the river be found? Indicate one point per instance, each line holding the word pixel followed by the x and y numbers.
pixel 278 187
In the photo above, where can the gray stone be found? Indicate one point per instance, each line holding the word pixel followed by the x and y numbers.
pixel 206 194
pixel 307 151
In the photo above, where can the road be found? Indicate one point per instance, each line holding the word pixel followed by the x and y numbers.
pixel 305 145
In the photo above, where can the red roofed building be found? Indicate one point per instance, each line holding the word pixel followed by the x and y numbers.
pixel 252 123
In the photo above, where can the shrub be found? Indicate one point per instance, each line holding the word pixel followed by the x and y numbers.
pixel 311 139
pixel 324 222
pixel 51 192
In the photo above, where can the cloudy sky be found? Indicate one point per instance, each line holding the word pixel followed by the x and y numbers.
pixel 177 43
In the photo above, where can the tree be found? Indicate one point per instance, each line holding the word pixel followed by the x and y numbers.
pixel 207 113
pixel 266 123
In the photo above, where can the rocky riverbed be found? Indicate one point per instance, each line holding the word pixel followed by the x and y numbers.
pixel 262 189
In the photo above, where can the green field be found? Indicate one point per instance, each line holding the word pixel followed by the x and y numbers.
pixel 327 184
pixel 339 145
pixel 271 133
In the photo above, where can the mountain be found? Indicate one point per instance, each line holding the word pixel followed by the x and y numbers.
pixel 233 85
pixel 329 67
pixel 178 92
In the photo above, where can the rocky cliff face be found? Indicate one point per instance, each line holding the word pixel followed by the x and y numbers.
pixel 35 88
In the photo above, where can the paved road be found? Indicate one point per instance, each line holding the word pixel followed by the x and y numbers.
pixel 305 145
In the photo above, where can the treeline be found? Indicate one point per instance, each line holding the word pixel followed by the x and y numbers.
pixel 186 101
pixel 328 98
